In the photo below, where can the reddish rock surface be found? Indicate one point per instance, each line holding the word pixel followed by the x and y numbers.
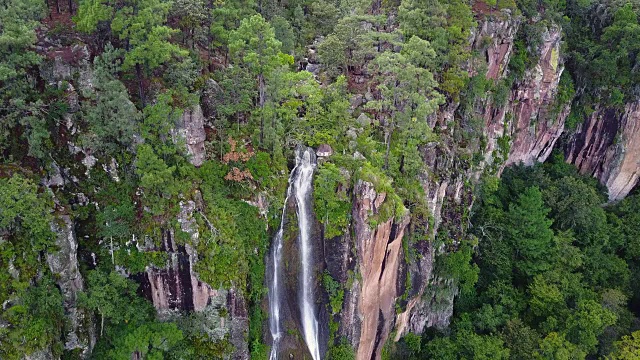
pixel 536 124
pixel 379 252
pixel 607 146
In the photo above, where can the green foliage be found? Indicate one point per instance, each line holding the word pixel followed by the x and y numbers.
pixel 346 48
pixel 254 45
pixel 26 220
pixel 392 207
pixel 555 347
pixel 26 213
pixel 156 178
pixel 335 291
pixel 19 20
pixel 254 48
pixel 331 201
pixel 551 286
pixel 226 17
pixel 627 348
pixel 140 23
pixel 407 97
pixel 547 272
pixel 467 345
pixel 125 330
pixel 458 267
pixel 566 92
pixel 105 295
pixel 34 321
pixel 111 117
pixel 92 12
pixel 603 58
pixel 528 230
pixel 341 352
pixel 446 26
pixel 149 341
pixel 284 33
pixel 233 240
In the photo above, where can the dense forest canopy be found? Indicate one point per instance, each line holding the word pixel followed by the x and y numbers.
pixel 542 268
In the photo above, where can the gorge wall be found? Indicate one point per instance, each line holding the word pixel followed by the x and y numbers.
pixel 385 291
pixel 523 128
pixel 607 146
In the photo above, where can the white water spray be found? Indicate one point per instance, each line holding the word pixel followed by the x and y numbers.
pixel 303 187
pixel 274 288
pixel 300 183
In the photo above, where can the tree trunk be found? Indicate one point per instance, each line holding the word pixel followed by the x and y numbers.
pixel 386 155
pixel 49 10
pixel 402 158
pixel 140 88
pixel 261 90
pixel 58 6
pixel 70 6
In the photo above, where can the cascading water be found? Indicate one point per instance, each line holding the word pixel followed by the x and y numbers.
pixel 300 184
pixel 274 292
pixel 303 187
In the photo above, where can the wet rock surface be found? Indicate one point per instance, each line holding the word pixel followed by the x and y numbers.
pixel 607 146
pixel 369 305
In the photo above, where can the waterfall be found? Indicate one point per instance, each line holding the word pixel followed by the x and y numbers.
pixel 300 185
pixel 303 186
pixel 274 287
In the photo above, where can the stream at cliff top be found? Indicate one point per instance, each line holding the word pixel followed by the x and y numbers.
pixel 300 185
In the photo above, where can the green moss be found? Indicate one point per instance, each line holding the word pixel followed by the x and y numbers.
pixel 335 292
pixel 331 201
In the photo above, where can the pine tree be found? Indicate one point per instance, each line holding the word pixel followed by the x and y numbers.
pixel 141 24
pixel 18 22
pixel 407 94
pixel 254 47
pixel 529 233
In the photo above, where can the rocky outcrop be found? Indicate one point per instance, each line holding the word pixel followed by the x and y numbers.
pixel 496 35
pixel 430 298
pixel 212 97
pixel 378 257
pixel 538 121
pixel 176 288
pixel 192 130
pixel 64 63
pixel 607 146
pixel 79 332
pixel 525 127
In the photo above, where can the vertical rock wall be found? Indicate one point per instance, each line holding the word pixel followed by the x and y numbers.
pixel 607 146
pixel 79 332
pixel 191 129
pixel 537 121
pixel 367 317
pixel 176 288
pixel 530 121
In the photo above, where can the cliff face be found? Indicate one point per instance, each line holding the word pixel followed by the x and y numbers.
pixel 375 253
pixel 192 131
pixel 496 35
pixel 379 252
pixel 526 121
pixel 176 288
pixel 369 259
pixel 607 146
pixel 526 125
pixel 537 121
pixel 79 333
